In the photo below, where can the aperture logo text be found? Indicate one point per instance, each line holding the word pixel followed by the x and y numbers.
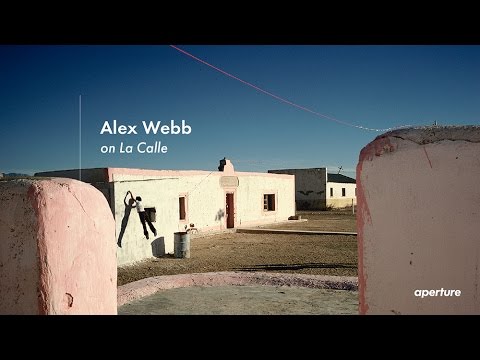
pixel 438 292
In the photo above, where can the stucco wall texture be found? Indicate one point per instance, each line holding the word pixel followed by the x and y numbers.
pixel 57 248
pixel 205 206
pixel 418 221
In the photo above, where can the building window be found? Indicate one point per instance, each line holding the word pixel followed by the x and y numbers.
pixel 355 191
pixel 331 192
pixel 151 213
pixel 269 202
pixel 181 207
pixel 343 191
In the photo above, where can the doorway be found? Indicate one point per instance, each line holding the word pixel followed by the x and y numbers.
pixel 230 211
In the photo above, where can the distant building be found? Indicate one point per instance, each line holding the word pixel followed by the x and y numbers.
pixel 208 200
pixel 315 189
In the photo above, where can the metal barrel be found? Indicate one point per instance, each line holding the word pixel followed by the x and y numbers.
pixel 181 245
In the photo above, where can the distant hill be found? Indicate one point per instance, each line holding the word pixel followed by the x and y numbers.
pixel 13 174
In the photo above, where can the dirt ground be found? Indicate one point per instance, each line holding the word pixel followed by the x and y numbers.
pixel 304 254
pixel 321 221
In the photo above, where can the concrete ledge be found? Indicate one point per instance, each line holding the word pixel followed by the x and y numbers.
pixel 200 233
pixel 145 287
pixel 296 232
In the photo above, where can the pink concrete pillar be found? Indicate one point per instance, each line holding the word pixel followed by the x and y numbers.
pixel 57 248
pixel 418 222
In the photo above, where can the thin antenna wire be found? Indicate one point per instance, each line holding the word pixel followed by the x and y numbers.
pixel 210 173
pixel 280 98
pixel 80 137
pixel 82 218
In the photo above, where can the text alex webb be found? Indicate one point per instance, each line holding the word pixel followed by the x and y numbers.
pixel 150 127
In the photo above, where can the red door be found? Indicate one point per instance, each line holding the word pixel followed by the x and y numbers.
pixel 230 211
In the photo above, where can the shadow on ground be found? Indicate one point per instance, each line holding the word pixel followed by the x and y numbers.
pixel 295 266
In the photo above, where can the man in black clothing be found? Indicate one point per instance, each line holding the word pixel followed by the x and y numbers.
pixel 143 216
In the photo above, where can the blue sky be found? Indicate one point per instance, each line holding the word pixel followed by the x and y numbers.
pixel 371 86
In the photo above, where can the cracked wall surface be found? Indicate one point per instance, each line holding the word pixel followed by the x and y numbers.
pixel 418 222
pixel 57 248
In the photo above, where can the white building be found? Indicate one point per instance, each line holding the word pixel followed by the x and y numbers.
pixel 316 189
pixel 176 200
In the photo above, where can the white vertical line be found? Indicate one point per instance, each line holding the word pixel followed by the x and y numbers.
pixel 80 152
pixel 80 137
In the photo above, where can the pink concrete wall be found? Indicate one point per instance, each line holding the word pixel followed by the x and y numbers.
pixel 57 248
pixel 418 221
